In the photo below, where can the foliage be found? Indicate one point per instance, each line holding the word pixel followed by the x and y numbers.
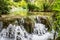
pixel 19 3
pixel 46 7
pixel 56 26
pixel 17 0
pixel 56 8
pixel 39 3
pixel 17 7
pixel 19 11
pixel 4 9
pixel 23 4
pixel 56 5
pixel 32 7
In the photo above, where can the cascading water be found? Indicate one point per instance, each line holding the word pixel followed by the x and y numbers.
pixel 39 29
pixel 15 32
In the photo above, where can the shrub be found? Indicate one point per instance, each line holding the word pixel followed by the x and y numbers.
pixel 32 7
pixel 46 7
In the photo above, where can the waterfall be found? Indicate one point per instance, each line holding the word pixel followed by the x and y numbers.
pixel 18 32
pixel 40 29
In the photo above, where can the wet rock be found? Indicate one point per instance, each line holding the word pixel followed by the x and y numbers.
pixel 45 21
pixel 28 25
pixel 6 23
pixel 58 38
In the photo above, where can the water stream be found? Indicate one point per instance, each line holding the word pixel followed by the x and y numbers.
pixel 15 32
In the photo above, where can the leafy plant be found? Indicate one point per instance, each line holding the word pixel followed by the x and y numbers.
pixel 17 0
pixel 4 9
pixel 56 5
pixel 46 7
pixel 56 25
pixel 32 7
pixel 39 4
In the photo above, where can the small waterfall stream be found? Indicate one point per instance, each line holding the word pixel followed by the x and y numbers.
pixel 15 32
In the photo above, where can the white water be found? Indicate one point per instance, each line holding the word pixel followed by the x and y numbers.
pixel 24 35
pixel 15 32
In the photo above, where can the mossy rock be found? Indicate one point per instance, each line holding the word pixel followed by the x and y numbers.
pixel 28 25
pixel 58 38
pixel 7 22
pixel 46 22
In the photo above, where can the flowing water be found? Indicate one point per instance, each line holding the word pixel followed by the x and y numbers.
pixel 15 32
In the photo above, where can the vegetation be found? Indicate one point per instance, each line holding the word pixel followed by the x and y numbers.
pixel 56 17
pixel 22 7
pixel 56 5
pixel 4 9
pixel 32 7
pixel 56 26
